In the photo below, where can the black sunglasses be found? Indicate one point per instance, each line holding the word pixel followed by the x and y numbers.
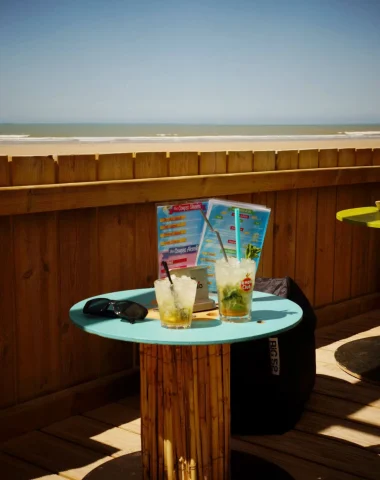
pixel 125 309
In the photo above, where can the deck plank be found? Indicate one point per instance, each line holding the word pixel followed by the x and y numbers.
pixel 333 370
pixel 324 450
pixel 117 415
pixel 328 343
pixel 96 436
pixel 325 355
pixel 344 409
pixel 337 438
pixel 55 455
pixel 352 326
pixel 339 387
pixel 299 468
pixel 12 468
pixel 347 332
pixel 366 436
pixel 121 468
pixel 132 401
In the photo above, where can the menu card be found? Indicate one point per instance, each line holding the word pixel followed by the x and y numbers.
pixel 221 214
pixel 179 229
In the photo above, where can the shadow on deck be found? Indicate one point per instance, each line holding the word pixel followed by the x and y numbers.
pixel 337 438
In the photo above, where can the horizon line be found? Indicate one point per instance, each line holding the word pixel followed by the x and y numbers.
pixel 312 124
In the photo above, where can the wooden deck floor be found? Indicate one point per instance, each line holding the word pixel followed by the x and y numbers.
pixel 338 437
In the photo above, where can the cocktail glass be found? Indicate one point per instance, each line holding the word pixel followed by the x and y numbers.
pixel 234 282
pixel 176 302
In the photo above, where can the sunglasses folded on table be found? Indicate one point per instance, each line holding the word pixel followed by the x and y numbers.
pixel 125 309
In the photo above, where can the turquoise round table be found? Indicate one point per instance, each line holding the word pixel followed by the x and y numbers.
pixel 185 381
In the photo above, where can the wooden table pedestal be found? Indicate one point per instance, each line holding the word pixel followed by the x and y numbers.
pixel 185 412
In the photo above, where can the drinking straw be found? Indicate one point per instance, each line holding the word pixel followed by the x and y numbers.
pixel 172 289
pixel 237 234
pixel 165 265
pixel 216 233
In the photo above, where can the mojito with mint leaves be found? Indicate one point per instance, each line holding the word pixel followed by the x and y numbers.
pixel 234 282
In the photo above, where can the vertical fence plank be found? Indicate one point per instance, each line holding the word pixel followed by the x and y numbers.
pixel 116 254
pixel 36 273
pixel 306 229
pixel 371 193
pixel 374 276
pixel 264 162
pixel 326 222
pixel 212 162
pixel 360 234
pixel 343 233
pixel 7 317
pixel 376 156
pixel 183 164
pixel 268 250
pixel 147 165
pixel 7 292
pixel 32 170
pixel 116 228
pixel 115 166
pixel 363 157
pixel 285 222
pixel 373 248
pixel 4 171
pixel 240 162
pixel 78 253
pixel 287 160
pixel 151 165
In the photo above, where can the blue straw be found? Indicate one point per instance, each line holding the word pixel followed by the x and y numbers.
pixel 237 234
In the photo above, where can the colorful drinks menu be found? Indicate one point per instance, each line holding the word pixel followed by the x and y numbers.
pixel 184 239
pixel 179 229
pixel 221 214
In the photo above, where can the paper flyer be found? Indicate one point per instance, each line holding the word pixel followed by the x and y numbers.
pixel 253 225
pixel 179 229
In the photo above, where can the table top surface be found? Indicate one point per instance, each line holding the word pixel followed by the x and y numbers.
pixel 367 216
pixel 270 315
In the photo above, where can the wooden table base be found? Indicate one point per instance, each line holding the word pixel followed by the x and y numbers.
pixel 185 412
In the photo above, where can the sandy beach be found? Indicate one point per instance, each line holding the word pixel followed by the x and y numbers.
pixel 43 149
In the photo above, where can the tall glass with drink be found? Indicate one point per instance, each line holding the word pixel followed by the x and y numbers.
pixel 176 301
pixel 234 282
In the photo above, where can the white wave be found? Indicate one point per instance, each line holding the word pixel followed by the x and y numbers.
pixel 166 134
pixel 12 137
pixel 368 133
pixel 20 139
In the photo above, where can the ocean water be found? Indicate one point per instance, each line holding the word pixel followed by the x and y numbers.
pixel 155 133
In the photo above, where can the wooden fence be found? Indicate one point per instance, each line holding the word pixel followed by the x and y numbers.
pixel 96 233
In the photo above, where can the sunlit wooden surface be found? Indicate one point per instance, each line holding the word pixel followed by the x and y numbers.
pixel 336 439
pixel 52 259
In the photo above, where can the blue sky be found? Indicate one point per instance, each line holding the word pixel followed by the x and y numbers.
pixel 198 61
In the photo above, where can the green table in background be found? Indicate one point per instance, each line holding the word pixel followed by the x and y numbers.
pixel 361 358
